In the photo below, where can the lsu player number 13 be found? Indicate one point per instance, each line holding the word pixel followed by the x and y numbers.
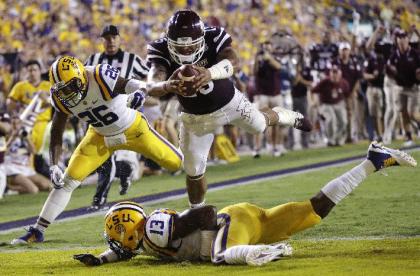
pixel 238 234
pixel 93 94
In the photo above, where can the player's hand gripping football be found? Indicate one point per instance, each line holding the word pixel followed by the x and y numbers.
pixel 87 259
pixel 56 175
pixel 174 84
pixel 203 78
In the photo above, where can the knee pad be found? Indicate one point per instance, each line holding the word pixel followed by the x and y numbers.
pixel 70 184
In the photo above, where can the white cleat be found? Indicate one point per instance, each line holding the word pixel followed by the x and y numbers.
pixel 266 253
pixel 291 118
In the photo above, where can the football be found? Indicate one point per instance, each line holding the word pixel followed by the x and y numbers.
pixel 187 73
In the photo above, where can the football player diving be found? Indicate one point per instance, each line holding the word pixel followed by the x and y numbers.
pixel 238 234
pixel 215 100
pixel 94 95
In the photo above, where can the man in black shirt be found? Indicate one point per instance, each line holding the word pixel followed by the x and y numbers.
pixel 404 67
pixel 374 74
pixel 302 82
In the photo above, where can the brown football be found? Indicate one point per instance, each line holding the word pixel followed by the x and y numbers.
pixel 187 72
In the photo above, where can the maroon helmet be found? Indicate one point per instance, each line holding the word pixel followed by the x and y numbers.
pixel 185 34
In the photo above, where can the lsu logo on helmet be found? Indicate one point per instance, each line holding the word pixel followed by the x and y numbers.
pixel 124 227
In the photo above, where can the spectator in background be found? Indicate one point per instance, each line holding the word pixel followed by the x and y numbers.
pixel 322 55
pixel 351 72
pixel 21 176
pixel 374 74
pixel 404 67
pixel 382 44
pixel 267 84
pixel 5 129
pixel 329 94
pixel 24 92
pixel 301 83
pixel 31 97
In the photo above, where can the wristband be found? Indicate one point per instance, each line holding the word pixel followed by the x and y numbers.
pixel 221 70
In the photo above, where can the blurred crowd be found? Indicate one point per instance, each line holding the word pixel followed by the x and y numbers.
pixel 338 62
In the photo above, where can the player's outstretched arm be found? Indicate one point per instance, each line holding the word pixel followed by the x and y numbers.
pixel 107 256
pixel 203 218
pixel 58 126
pixel 158 83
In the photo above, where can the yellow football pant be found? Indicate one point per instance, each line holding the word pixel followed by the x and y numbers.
pixel 248 224
pixel 141 138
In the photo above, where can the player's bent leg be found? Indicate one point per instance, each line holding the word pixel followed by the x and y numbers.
pixel 86 158
pixel 291 118
pixel 196 188
pixel 239 231
pixel 282 221
pixel 54 205
pixel 142 138
pixel 196 149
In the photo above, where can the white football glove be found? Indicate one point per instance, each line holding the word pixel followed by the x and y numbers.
pixel 56 175
pixel 136 99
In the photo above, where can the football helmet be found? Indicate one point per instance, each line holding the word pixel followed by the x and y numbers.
pixel 185 35
pixel 68 79
pixel 124 228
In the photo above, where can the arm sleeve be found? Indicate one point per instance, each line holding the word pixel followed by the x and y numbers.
pixel 318 88
pixel 109 256
pixel 140 68
pixel 106 76
pixel 222 40
pixel 155 55
pixel 159 228
pixel 15 93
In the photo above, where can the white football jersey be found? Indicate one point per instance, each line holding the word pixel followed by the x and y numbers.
pixel 103 108
pixel 158 240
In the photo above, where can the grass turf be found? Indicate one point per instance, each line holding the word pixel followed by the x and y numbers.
pixel 384 207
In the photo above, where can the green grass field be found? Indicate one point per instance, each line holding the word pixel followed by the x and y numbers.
pixel 375 231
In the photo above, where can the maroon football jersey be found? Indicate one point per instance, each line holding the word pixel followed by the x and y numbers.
pixel 215 94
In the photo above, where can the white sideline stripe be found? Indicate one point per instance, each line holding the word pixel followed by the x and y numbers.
pixel 175 197
pixel 243 183
pixel 24 248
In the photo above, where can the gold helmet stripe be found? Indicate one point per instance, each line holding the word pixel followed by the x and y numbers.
pixel 54 67
pixel 106 94
pixel 126 205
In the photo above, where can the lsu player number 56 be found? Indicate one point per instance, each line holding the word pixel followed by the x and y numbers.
pixel 94 95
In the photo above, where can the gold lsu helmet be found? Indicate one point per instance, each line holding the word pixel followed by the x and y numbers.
pixel 124 227
pixel 69 80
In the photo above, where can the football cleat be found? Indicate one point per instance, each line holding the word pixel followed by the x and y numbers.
pixel 291 118
pixel 266 253
pixel 124 185
pixel 383 157
pixel 32 235
pixel 98 204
